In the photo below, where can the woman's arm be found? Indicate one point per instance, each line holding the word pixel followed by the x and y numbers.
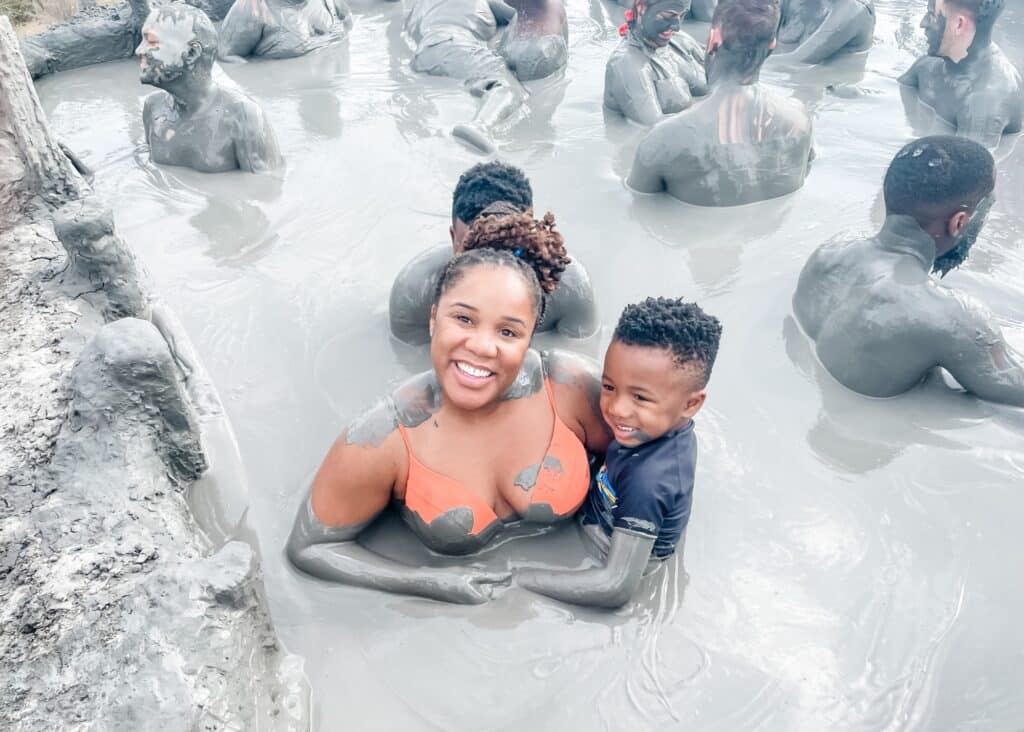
pixel 352 487
pixel 610 586
pixel 576 383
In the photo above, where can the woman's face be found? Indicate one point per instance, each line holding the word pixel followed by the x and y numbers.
pixel 660 20
pixel 480 332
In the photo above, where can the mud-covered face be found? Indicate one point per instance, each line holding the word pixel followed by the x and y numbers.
pixel 659 21
pixel 480 333
pixel 962 246
pixel 167 48
pixel 934 25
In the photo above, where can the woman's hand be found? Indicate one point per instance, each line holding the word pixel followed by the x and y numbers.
pixel 469 586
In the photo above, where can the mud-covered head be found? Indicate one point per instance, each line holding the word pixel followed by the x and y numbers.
pixel 657 368
pixel 956 27
pixel 481 186
pixel 488 302
pixel 656 21
pixel 178 41
pixel 946 184
pixel 743 35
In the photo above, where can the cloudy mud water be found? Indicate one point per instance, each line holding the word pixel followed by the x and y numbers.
pixel 851 563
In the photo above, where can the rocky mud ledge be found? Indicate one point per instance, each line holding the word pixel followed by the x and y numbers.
pixel 122 604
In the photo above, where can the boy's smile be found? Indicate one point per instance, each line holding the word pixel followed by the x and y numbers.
pixel 645 392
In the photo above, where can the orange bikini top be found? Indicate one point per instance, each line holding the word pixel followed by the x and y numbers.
pixel 562 481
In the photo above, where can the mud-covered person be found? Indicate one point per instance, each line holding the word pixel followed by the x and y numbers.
pixel 656 69
pixel 282 28
pixel 536 43
pixel 569 310
pixel 655 378
pixel 451 39
pixel 743 142
pixel 195 121
pixel 496 435
pixel 813 31
pixel 879 321
pixel 966 78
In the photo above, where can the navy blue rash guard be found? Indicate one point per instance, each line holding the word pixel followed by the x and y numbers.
pixel 646 489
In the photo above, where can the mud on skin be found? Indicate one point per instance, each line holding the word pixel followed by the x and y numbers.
pixel 813 31
pixel 194 121
pixel 536 42
pixel 282 28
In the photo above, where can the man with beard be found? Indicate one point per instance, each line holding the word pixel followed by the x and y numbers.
pixel 744 142
pixel 451 38
pixel 813 31
pixel 966 78
pixel 282 28
pixel 195 122
pixel 879 321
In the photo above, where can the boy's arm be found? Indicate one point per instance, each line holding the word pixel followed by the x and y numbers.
pixel 610 586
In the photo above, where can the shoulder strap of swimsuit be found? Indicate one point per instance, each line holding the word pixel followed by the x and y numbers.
pixel 405 438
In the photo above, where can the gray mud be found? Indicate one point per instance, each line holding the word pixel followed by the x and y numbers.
pixel 851 564
pixel 130 589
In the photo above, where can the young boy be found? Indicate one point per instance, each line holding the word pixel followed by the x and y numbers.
pixel 655 374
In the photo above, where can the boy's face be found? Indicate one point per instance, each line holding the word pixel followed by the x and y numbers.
pixel 645 393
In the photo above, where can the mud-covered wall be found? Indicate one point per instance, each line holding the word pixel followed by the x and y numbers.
pixel 118 608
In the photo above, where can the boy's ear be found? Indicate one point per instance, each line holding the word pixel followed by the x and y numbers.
pixel 694 402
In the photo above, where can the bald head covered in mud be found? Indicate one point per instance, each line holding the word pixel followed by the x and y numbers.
pixel 879 320
pixel 813 31
pixel 656 70
pixel 493 188
pixel 966 78
pixel 282 28
pixel 451 39
pixel 741 144
pixel 196 122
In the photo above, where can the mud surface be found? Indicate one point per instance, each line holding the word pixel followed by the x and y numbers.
pixel 852 563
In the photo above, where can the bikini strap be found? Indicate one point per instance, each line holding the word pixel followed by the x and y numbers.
pixel 551 395
pixel 405 438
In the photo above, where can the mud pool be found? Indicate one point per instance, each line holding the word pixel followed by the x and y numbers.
pixel 851 564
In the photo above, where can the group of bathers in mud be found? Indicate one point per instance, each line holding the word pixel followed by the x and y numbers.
pixel 498 437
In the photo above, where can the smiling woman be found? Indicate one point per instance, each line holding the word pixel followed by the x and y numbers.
pixel 494 436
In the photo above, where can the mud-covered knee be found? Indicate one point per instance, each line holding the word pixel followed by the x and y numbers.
pixel 99 258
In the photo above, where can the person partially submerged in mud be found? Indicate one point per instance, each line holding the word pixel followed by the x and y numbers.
pixel 451 38
pixel 741 144
pixel 656 70
pixel 282 28
pixel 194 121
pixel 655 378
pixel 569 310
pixel 494 435
pixel 879 321
pixel 966 78
pixel 813 31
pixel 701 10
pixel 536 42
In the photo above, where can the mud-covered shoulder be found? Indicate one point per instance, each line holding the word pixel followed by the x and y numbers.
pixel 412 294
pixel 410 405
pixel 579 373
pixel 571 308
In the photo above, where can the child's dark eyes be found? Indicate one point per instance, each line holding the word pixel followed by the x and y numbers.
pixel 607 387
pixel 641 398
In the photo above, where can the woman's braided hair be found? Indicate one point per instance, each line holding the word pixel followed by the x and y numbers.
pixel 504 236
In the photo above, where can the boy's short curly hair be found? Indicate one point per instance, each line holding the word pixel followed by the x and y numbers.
pixel 683 328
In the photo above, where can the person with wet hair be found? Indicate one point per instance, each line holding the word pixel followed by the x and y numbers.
pixel 536 43
pixel 813 31
pixel 570 310
pixel 966 78
pixel 282 28
pixel 495 436
pixel 879 321
pixel 195 121
pixel 741 144
pixel 655 379
pixel 451 39
pixel 656 70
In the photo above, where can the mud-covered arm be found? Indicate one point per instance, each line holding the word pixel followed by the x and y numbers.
pixel 909 77
pixel 343 11
pixel 412 296
pixel 981 360
pixel 572 305
pixel 983 119
pixel 836 31
pixel 242 30
pixel 352 487
pixel 576 383
pixel 503 12
pixel 645 176
pixel 256 145
pixel 633 91
pixel 610 586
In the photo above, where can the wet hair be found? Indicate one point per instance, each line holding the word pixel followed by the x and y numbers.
pixel 487 183
pixel 748 29
pixel 682 328
pixel 937 176
pixel 984 12
pixel 504 237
